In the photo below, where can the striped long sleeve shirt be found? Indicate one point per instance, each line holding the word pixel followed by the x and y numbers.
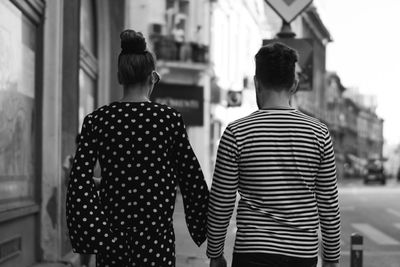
pixel 282 163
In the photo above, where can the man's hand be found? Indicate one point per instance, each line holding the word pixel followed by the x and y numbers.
pixel 219 262
pixel 329 264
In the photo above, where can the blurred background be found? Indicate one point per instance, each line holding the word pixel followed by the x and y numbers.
pixel 58 62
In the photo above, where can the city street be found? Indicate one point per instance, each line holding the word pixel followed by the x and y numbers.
pixel 371 210
pixel 114 90
pixel 374 212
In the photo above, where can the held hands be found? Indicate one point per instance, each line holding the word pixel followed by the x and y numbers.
pixel 221 262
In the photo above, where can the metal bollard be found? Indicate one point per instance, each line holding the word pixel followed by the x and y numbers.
pixel 356 250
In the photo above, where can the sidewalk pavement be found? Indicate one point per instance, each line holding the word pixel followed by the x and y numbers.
pixel 187 252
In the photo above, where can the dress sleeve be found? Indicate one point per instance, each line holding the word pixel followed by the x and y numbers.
pixel 87 224
pixel 192 185
pixel 328 204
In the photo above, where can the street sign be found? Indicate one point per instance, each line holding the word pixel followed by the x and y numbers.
pixel 304 47
pixel 288 10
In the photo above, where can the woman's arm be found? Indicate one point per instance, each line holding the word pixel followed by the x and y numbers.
pixel 192 184
pixel 87 224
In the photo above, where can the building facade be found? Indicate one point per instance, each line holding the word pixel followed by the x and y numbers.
pixel 179 34
pixel 69 51
pixel 313 101
pixel 335 118
pixel 356 130
pixel 57 63
pixel 370 132
pixel 205 49
pixel 308 25
pixel 237 31
pixel 352 166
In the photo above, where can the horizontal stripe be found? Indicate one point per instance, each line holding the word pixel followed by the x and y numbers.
pixel 283 166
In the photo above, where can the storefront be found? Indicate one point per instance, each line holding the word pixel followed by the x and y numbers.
pixel 57 63
pixel 20 94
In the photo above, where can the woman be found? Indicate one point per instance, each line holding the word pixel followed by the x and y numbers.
pixel 144 154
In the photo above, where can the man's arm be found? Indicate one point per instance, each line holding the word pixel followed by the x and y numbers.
pixel 328 204
pixel 223 194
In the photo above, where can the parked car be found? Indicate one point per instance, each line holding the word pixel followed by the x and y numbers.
pixel 375 173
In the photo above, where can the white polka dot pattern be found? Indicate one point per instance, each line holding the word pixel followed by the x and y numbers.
pixel 144 153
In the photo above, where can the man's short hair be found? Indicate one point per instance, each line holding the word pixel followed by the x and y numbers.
pixel 275 65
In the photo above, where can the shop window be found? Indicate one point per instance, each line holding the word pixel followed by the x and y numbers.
pixel 17 105
pixel 87 91
pixel 88 72
pixel 88 26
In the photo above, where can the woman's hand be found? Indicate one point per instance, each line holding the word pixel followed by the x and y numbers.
pixel 218 262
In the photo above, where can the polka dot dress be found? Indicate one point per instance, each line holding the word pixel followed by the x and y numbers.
pixel 144 154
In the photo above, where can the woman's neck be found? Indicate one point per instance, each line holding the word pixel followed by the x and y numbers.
pixel 136 93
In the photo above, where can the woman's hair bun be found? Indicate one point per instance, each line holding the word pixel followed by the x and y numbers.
pixel 132 42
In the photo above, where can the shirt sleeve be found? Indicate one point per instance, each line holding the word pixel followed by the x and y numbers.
pixel 87 224
pixel 193 187
pixel 328 204
pixel 223 193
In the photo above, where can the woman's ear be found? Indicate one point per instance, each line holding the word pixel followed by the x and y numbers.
pixel 151 87
pixel 150 79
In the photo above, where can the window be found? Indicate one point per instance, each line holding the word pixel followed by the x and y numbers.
pixel 88 72
pixel 17 104
pixel 177 13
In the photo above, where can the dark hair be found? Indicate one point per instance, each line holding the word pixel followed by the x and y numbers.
pixel 135 63
pixel 77 139
pixel 275 65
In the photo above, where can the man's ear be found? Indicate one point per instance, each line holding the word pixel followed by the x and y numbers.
pixel 294 87
pixel 256 83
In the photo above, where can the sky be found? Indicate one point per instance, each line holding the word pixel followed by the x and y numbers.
pixel 365 52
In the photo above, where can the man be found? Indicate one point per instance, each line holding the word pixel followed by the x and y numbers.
pixel 281 162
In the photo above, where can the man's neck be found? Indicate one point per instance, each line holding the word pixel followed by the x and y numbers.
pixel 274 99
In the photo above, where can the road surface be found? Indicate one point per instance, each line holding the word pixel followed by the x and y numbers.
pixel 371 210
